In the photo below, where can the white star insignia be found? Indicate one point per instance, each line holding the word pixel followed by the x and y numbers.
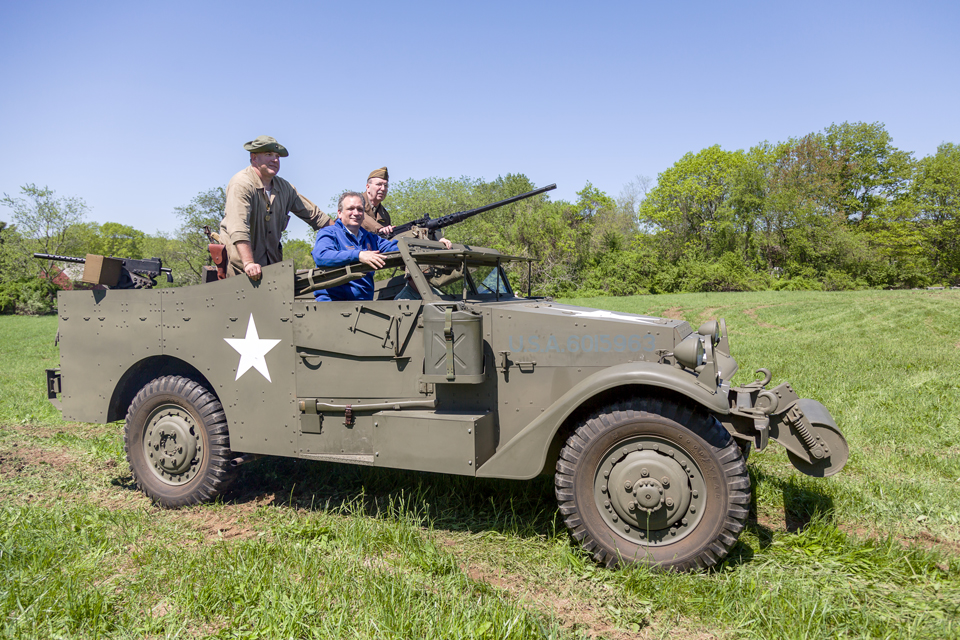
pixel 252 350
pixel 607 315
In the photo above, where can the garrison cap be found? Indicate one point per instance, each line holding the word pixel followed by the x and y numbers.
pixel 379 173
pixel 266 144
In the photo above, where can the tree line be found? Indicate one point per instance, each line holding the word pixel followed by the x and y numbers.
pixel 833 210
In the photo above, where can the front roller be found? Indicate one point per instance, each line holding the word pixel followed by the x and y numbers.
pixel 823 449
pixel 803 426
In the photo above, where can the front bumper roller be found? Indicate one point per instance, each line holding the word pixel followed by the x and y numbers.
pixel 803 426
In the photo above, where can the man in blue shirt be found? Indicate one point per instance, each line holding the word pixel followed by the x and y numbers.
pixel 346 242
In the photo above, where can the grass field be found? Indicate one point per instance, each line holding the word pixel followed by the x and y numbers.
pixel 314 550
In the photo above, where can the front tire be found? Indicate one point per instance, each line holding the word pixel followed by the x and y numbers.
pixel 177 443
pixel 654 482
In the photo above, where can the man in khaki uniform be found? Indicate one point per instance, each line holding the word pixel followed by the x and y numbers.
pixel 257 210
pixel 376 217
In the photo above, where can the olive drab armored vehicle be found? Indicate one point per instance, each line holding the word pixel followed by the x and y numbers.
pixel 634 415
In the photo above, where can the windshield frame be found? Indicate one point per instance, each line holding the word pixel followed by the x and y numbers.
pixel 418 253
pixel 413 254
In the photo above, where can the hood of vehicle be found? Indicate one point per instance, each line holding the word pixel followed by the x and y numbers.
pixel 566 335
pixel 598 317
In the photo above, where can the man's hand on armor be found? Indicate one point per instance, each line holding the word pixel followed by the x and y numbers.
pixel 446 243
pixel 385 231
pixel 252 269
pixel 372 258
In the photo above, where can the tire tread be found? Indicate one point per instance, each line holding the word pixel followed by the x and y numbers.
pixel 220 475
pixel 703 425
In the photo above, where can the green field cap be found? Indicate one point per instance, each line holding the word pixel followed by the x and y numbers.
pixel 266 144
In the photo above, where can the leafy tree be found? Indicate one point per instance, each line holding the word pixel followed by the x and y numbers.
pixel 592 201
pixel 873 174
pixel 300 252
pixel 935 193
pixel 119 240
pixel 689 206
pixel 14 258
pixel 107 239
pixel 798 209
pixel 45 223
pixel 186 252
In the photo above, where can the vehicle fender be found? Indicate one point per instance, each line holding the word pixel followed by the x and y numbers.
pixel 523 456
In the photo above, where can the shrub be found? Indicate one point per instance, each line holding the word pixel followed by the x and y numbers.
pixel 9 293
pixel 798 283
pixel 730 273
pixel 835 280
pixel 28 296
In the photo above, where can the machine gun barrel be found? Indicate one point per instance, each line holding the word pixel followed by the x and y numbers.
pixel 445 221
pixel 52 256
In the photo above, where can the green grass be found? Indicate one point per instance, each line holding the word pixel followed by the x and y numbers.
pixel 310 550
pixel 27 348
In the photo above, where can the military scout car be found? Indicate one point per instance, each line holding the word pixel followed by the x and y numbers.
pixel 634 415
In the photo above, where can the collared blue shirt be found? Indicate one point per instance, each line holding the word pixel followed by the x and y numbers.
pixel 337 247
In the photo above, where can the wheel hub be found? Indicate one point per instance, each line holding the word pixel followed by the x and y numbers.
pixel 650 491
pixel 172 445
pixel 649 495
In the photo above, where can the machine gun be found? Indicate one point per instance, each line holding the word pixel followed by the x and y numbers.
pixel 428 224
pixel 116 273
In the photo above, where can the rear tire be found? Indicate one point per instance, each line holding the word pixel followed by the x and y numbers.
pixel 177 443
pixel 653 482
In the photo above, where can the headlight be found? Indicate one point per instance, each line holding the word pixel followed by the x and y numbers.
pixel 689 352
pixel 710 328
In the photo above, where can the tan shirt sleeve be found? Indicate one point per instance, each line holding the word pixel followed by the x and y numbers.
pixel 310 213
pixel 237 208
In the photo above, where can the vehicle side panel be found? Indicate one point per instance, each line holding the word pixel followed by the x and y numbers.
pixel 260 403
pixel 354 350
pixel 522 456
pixel 552 347
pixel 102 334
pixel 353 353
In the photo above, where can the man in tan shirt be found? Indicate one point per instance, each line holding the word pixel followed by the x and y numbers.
pixel 257 210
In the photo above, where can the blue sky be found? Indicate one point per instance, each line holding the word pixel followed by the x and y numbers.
pixel 136 107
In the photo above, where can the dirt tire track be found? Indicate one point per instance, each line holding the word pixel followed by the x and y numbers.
pixel 588 618
pixel 752 314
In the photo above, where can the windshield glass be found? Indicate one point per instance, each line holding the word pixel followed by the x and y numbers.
pixel 483 280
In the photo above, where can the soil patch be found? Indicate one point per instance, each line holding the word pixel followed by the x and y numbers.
pixel 590 618
pixel 710 313
pixel 571 613
pixel 17 457
pixel 674 313
pixel 228 523
pixel 50 432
